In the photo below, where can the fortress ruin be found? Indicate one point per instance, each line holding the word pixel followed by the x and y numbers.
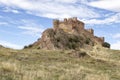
pixel 71 24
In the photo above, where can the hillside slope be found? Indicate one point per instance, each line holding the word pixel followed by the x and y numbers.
pixel 34 64
pixel 65 52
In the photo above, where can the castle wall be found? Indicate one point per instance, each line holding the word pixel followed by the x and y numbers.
pixel 69 24
pixel 55 24
pixel 66 27
pixel 80 25
pixel 100 39
pixel 90 31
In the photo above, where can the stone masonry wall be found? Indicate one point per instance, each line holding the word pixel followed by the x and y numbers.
pixel 74 24
pixel 69 24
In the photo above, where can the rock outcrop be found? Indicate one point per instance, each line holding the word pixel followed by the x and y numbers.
pixel 67 34
pixel 1 46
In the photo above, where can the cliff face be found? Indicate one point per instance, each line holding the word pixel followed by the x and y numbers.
pixel 58 39
pixel 67 34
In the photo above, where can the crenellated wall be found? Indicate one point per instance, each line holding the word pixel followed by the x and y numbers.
pixel 100 39
pixel 55 23
pixel 91 31
pixel 69 24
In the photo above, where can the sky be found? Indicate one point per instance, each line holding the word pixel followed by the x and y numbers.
pixel 23 21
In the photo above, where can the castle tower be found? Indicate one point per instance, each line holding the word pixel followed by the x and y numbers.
pixel 91 31
pixel 65 19
pixel 55 23
pixel 75 19
pixel 102 39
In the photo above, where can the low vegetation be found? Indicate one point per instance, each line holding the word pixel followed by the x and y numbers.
pixel 105 44
pixel 34 64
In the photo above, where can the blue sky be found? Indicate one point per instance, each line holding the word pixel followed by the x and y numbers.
pixel 23 21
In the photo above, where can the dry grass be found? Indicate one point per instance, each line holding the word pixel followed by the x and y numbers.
pixel 9 67
pixel 58 65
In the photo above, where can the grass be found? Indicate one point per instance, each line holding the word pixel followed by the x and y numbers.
pixel 32 64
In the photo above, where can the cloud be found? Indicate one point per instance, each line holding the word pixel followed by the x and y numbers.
pixel 52 8
pixel 7 9
pixel 31 28
pixel 10 45
pixel 112 5
pixel 117 36
pixel 66 1
pixel 116 45
pixel 109 20
pixel 3 23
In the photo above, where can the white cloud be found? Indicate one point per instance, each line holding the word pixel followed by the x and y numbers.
pixel 10 45
pixel 66 1
pixel 116 45
pixel 109 20
pixel 7 9
pixel 3 23
pixel 112 5
pixel 52 8
pixel 117 35
pixel 31 28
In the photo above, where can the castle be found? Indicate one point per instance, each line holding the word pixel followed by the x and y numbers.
pixel 71 24
pixel 68 34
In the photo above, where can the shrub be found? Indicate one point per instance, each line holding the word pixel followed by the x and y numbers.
pixel 72 45
pixel 29 46
pixel 58 39
pixel 87 41
pixel 74 39
pixel 25 47
pixel 82 54
pixel 38 48
pixel 105 44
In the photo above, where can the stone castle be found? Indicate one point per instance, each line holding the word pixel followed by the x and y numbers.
pixel 72 24
pixel 68 34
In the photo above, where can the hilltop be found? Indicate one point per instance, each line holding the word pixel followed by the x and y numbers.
pixel 67 51
pixel 67 34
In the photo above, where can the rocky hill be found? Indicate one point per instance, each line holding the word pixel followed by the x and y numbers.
pixel 67 34
pixel 1 46
pixel 58 60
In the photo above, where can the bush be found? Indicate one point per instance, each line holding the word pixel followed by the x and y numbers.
pixel 105 44
pixel 82 54
pixel 25 47
pixel 29 46
pixel 72 45
pixel 73 38
pixel 87 41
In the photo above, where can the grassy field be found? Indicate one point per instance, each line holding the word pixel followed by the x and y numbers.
pixel 32 64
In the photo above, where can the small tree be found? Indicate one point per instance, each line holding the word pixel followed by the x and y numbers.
pixel 25 47
pixel 105 44
pixel 30 45
pixel 87 41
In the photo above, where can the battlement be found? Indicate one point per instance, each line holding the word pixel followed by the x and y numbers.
pixel 55 23
pixel 73 24
pixel 100 39
pixel 91 31
pixel 68 24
